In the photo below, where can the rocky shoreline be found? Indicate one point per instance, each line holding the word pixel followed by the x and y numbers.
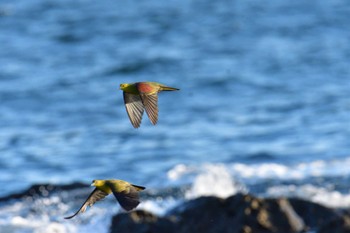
pixel 240 213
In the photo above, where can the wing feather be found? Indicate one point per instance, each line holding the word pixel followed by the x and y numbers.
pixel 95 196
pixel 128 200
pixel 150 101
pixel 134 108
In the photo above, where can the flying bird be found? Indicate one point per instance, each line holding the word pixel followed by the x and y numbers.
pixel 142 96
pixel 126 194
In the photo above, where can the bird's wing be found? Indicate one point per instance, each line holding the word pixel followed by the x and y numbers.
pixel 134 108
pixel 127 199
pixel 95 196
pixel 150 101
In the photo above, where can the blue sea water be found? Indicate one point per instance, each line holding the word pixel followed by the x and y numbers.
pixel 263 108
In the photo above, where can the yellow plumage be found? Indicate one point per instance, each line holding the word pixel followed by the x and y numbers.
pixel 124 192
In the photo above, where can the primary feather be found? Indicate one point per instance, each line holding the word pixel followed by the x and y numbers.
pixel 142 96
pixel 95 196
pixel 134 108
pixel 125 193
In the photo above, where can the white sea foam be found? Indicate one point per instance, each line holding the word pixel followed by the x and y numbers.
pixel 180 170
pixel 322 195
pixel 159 206
pixel 252 173
pixel 213 180
pixel 46 214
pixel 221 179
pixel 34 224
pixel 206 180
pixel 317 168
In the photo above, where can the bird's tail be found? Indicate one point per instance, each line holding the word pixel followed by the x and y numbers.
pixel 166 88
pixel 138 188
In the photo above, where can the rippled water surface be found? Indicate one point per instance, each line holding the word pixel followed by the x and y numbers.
pixel 264 103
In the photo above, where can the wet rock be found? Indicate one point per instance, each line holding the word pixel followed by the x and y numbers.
pixel 204 214
pixel 238 213
pixel 251 214
pixel 339 224
pixel 313 214
pixel 42 190
pixel 142 222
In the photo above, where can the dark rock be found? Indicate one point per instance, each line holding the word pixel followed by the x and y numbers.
pixel 142 222
pixel 340 224
pixel 313 214
pixel 205 214
pixel 239 213
pixel 251 214
pixel 41 190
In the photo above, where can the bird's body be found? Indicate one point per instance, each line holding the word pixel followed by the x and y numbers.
pixel 125 193
pixel 142 96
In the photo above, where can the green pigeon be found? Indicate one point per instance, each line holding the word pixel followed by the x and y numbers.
pixel 125 193
pixel 142 96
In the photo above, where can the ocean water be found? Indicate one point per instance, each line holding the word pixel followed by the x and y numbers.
pixel 264 105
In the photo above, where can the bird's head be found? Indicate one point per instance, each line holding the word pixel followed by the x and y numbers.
pixel 123 86
pixel 97 183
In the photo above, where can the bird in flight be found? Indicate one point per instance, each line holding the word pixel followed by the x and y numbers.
pixel 125 193
pixel 142 96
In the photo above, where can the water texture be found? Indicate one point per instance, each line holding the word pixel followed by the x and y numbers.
pixel 264 103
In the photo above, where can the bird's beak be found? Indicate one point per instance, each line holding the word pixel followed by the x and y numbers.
pixel 92 184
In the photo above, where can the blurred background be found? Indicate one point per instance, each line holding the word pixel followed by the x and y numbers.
pixel 264 104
